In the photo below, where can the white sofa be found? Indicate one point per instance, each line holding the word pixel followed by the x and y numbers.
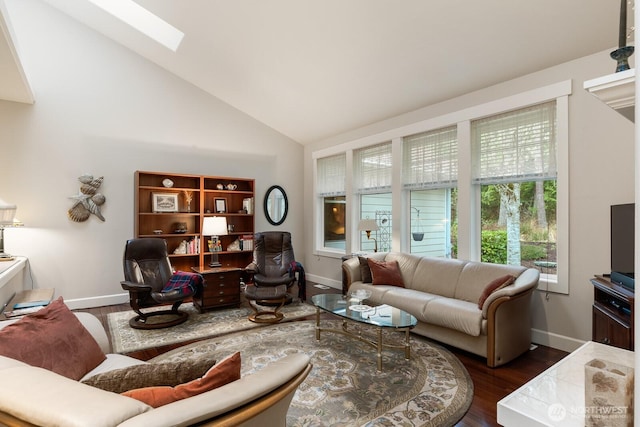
pixel 443 295
pixel 35 396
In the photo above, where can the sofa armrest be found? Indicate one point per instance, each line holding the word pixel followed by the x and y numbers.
pixel 351 269
pixel 508 314
pixel 526 282
pixel 41 397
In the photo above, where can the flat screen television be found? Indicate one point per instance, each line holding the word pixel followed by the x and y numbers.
pixel 622 244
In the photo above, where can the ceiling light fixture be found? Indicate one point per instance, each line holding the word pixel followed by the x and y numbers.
pixel 142 20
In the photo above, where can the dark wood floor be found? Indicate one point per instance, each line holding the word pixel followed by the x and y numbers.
pixel 490 384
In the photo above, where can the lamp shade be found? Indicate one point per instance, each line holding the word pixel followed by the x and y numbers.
pixel 214 226
pixel 368 225
pixel 7 212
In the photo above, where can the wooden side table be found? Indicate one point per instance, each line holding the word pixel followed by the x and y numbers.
pixel 221 287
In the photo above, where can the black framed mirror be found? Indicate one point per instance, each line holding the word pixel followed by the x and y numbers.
pixel 276 205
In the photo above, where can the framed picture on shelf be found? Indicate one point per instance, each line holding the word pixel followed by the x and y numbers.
pixel 221 205
pixel 164 202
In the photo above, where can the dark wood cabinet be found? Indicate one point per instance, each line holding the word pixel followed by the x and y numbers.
pixel 221 288
pixel 613 313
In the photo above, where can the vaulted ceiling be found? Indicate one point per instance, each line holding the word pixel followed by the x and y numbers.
pixel 315 68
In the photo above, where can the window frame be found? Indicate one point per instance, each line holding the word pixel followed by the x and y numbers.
pixel 468 193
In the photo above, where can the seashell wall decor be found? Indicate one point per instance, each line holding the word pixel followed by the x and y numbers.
pixel 88 200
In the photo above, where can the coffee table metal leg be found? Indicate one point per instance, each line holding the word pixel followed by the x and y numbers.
pixel 317 324
pixel 379 349
pixel 407 345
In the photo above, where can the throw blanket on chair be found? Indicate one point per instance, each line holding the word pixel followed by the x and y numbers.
pixel 184 282
pixel 302 281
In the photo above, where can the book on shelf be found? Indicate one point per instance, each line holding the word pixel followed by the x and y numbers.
pixel 246 242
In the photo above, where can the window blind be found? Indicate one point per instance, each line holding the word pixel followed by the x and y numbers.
pixel 332 175
pixel 373 169
pixel 516 146
pixel 430 159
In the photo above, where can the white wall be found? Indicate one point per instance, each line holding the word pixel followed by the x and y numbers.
pixel 103 110
pixel 601 173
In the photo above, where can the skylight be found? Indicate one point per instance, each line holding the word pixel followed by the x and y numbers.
pixel 144 21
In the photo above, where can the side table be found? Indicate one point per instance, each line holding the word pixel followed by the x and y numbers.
pixel 221 287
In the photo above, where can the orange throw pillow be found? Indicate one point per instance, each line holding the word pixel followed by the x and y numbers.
pixel 385 273
pixel 224 372
pixel 52 338
pixel 493 286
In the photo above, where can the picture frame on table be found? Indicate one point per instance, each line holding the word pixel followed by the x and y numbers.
pixel 220 205
pixel 164 202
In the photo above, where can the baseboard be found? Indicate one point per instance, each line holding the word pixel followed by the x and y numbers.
pixel 80 303
pixel 336 284
pixel 552 340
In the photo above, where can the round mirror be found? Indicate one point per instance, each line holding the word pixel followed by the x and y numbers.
pixel 276 205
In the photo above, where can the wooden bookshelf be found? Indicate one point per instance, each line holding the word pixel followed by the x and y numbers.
pixel 164 211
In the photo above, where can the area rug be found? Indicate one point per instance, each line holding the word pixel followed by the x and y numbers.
pixel 344 387
pixel 125 339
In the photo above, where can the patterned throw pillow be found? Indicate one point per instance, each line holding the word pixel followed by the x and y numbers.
pixel 386 273
pixel 224 372
pixel 52 338
pixel 150 375
pixel 365 271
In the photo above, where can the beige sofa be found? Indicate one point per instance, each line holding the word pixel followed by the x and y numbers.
pixel 443 295
pixel 35 396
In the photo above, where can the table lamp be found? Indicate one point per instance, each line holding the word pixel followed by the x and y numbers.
pixel 214 226
pixel 368 225
pixel 7 213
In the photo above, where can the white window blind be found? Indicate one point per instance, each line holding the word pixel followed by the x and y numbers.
pixel 430 159
pixel 516 146
pixel 332 175
pixel 373 169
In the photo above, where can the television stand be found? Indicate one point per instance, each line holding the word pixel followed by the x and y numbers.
pixel 613 313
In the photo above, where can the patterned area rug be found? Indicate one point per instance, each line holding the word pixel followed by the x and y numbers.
pixel 209 324
pixel 344 388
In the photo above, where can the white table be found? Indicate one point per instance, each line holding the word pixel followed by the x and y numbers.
pixel 556 396
pixel 12 278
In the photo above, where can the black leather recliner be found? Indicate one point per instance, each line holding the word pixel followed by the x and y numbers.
pixel 271 269
pixel 147 273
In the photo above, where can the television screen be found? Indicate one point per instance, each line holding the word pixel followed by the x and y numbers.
pixel 622 238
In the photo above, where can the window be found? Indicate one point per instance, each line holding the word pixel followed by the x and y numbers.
pixel 514 166
pixel 331 194
pixel 372 175
pixel 429 173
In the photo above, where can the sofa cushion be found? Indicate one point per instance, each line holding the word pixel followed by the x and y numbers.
pixel 454 314
pixel 494 285
pixel 385 273
pixel 438 276
pixel 150 375
pixel 224 372
pixel 475 276
pixel 365 270
pixel 52 338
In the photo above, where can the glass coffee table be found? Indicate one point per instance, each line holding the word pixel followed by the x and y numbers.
pixel 381 317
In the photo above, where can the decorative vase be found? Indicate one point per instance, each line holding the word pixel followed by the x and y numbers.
pixel 622 55
pixel 608 394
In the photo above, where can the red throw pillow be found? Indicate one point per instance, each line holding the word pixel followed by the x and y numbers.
pixel 385 273
pixel 493 286
pixel 52 338
pixel 224 372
